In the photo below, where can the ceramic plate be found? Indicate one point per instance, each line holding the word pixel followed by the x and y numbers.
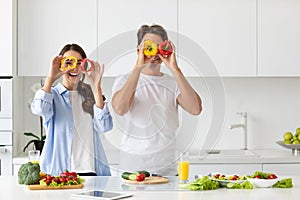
pixel 262 183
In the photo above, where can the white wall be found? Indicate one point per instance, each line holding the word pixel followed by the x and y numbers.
pixel 272 104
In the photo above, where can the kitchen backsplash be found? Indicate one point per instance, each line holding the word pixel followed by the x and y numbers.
pixel 272 105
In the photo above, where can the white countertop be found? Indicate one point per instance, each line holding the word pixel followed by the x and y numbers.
pixel 10 189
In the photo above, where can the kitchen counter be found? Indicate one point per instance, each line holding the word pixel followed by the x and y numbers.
pixel 10 189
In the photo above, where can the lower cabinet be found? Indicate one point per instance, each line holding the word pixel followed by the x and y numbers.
pixel 284 169
pixel 239 169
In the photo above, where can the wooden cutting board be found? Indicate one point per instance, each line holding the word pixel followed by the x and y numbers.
pixel 40 187
pixel 150 180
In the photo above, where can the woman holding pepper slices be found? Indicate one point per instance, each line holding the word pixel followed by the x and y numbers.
pixel 74 115
pixel 147 102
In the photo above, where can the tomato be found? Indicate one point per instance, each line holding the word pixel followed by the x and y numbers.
pixel 62 179
pixel 48 177
pixel 257 177
pixel 74 174
pixel 48 181
pixel 165 48
pixel 272 176
pixel 56 179
pixel 217 176
pixel 140 177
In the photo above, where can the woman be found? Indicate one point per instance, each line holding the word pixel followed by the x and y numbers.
pixel 74 114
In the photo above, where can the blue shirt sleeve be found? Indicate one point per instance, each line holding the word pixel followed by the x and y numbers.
pixel 102 119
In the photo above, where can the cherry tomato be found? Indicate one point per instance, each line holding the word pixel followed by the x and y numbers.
pixel 62 179
pixel 56 179
pixel 140 177
pixel 49 177
pixel 47 181
pixel 272 176
pixel 257 177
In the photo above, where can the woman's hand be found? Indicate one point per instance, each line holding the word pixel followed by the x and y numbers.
pixel 94 77
pixel 54 73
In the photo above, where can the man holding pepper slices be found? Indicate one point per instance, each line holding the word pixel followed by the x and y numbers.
pixel 146 101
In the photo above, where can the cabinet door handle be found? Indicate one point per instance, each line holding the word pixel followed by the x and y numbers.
pixel 3 149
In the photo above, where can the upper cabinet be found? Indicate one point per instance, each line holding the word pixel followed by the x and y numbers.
pixel 227 38
pixel 224 31
pixel 118 23
pixel 44 27
pixel 279 38
pixel 6 40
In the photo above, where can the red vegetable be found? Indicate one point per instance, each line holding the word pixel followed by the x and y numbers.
pixel 165 48
pixel 257 177
pixel 272 176
pixel 140 177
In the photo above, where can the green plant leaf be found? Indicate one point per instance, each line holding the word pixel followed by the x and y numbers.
pixel 43 137
pixel 31 141
pixel 32 135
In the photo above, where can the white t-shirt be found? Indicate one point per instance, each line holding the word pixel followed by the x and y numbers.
pixel 149 127
pixel 82 152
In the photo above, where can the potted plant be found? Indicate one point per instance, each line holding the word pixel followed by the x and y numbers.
pixel 38 141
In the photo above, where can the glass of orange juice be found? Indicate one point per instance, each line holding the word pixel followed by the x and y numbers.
pixel 183 168
pixel 34 156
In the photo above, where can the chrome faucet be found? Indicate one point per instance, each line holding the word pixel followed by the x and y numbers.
pixel 242 125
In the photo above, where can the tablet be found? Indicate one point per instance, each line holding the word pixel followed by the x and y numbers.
pixel 101 194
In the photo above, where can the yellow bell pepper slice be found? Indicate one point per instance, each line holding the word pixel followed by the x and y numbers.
pixel 69 62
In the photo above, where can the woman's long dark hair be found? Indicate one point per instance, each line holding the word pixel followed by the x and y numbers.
pixel 82 88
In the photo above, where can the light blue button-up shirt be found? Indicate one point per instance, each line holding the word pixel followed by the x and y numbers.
pixel 56 110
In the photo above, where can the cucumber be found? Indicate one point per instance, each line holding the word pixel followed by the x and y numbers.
pixel 147 174
pixel 125 175
pixel 132 177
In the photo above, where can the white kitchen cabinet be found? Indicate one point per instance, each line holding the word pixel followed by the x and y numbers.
pixel 230 169
pixel 44 27
pixel 286 169
pixel 118 23
pixel 278 38
pixel 226 32
pixel 6 37
pixel 6 99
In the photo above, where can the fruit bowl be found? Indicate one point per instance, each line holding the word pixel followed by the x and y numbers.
pixel 262 183
pixel 294 147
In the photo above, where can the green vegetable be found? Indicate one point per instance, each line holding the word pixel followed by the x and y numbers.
pixel 29 173
pixel 244 185
pixel 147 174
pixel 132 177
pixel 284 183
pixel 125 175
pixel 259 174
pixel 203 183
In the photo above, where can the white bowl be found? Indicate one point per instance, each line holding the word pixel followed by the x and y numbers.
pixel 263 183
